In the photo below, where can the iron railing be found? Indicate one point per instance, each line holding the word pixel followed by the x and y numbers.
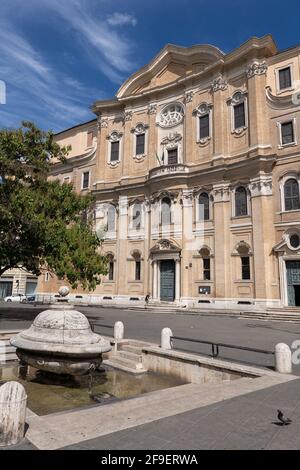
pixel 215 346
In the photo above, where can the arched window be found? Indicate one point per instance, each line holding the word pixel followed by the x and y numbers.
pixel 137 216
pixel 203 206
pixel 111 267
pixel 166 211
pixel 241 201
pixel 291 195
pixel 137 269
pixel 243 251
pixel 111 218
pixel 206 265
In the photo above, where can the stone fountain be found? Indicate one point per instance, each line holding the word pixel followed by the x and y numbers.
pixel 61 341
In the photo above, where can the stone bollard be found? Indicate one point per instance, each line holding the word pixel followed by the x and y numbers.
pixel 166 342
pixel 283 358
pixel 119 330
pixel 13 401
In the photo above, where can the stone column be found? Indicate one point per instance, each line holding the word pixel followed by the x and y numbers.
pixel 122 246
pixel 187 242
pixel 222 249
pixel 219 89
pixel 177 280
pixel 263 235
pixel 13 400
pixel 155 269
pixel 259 126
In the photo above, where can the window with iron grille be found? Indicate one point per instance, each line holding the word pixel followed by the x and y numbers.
pixel 172 156
pixel 291 195
pixel 204 126
pixel 111 271
pixel 287 133
pixel 140 144
pixel 114 151
pixel 241 201
pixel 204 206
pixel 137 270
pixel 245 260
pixel 206 269
pixel 239 115
pixel 285 78
pixel 85 180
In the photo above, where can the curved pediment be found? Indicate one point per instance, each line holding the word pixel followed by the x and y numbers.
pixel 171 64
pixel 165 245
pixel 281 102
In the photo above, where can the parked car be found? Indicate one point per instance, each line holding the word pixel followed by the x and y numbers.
pixel 15 298
pixel 28 298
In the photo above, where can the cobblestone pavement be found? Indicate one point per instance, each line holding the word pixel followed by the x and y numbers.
pixel 245 422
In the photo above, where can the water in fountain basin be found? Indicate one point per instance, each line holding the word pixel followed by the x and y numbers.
pixel 50 393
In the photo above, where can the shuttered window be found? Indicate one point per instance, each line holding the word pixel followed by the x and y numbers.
pixel 114 153
pixel 241 201
pixel 239 115
pixel 204 126
pixel 285 79
pixel 140 144
pixel 291 195
pixel 287 132
pixel 172 156
pixel 245 260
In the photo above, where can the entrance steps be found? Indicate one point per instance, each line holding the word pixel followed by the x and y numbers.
pixel 128 357
pixel 7 352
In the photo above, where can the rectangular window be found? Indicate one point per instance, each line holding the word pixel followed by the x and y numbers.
pixel 89 139
pixel 287 133
pixel 172 156
pixel 111 271
pixel 204 126
pixel 137 270
pixel 206 269
pixel 114 153
pixel 239 115
pixel 86 180
pixel 245 267
pixel 140 144
pixel 285 78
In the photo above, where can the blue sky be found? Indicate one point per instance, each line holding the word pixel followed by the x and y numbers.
pixel 58 56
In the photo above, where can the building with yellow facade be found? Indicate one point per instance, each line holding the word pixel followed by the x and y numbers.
pixel 195 167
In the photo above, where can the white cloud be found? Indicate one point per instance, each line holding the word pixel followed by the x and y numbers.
pixel 34 89
pixel 121 19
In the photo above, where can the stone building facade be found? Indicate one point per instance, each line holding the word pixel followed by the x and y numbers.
pixel 195 166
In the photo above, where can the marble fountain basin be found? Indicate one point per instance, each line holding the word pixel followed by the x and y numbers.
pixel 61 341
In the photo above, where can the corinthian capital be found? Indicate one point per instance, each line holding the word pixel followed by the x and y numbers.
pixel 257 68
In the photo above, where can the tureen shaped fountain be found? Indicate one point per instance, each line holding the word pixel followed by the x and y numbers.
pixel 60 340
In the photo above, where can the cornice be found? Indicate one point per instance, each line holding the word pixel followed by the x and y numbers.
pixel 75 161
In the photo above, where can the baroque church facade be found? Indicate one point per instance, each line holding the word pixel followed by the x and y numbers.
pixel 195 168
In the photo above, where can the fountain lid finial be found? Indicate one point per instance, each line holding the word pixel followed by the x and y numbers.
pixel 63 291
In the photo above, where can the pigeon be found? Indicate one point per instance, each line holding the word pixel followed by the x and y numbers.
pixel 282 418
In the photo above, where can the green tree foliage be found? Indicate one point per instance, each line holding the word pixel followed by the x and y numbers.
pixel 44 224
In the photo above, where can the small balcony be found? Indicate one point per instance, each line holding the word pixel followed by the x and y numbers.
pixel 168 170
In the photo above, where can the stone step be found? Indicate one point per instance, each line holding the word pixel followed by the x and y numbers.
pixel 130 355
pixel 126 362
pixel 115 363
pixel 6 348
pixel 136 343
pixel 130 348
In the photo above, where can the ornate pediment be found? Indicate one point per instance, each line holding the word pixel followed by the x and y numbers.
pixel 171 64
pixel 290 242
pixel 165 245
